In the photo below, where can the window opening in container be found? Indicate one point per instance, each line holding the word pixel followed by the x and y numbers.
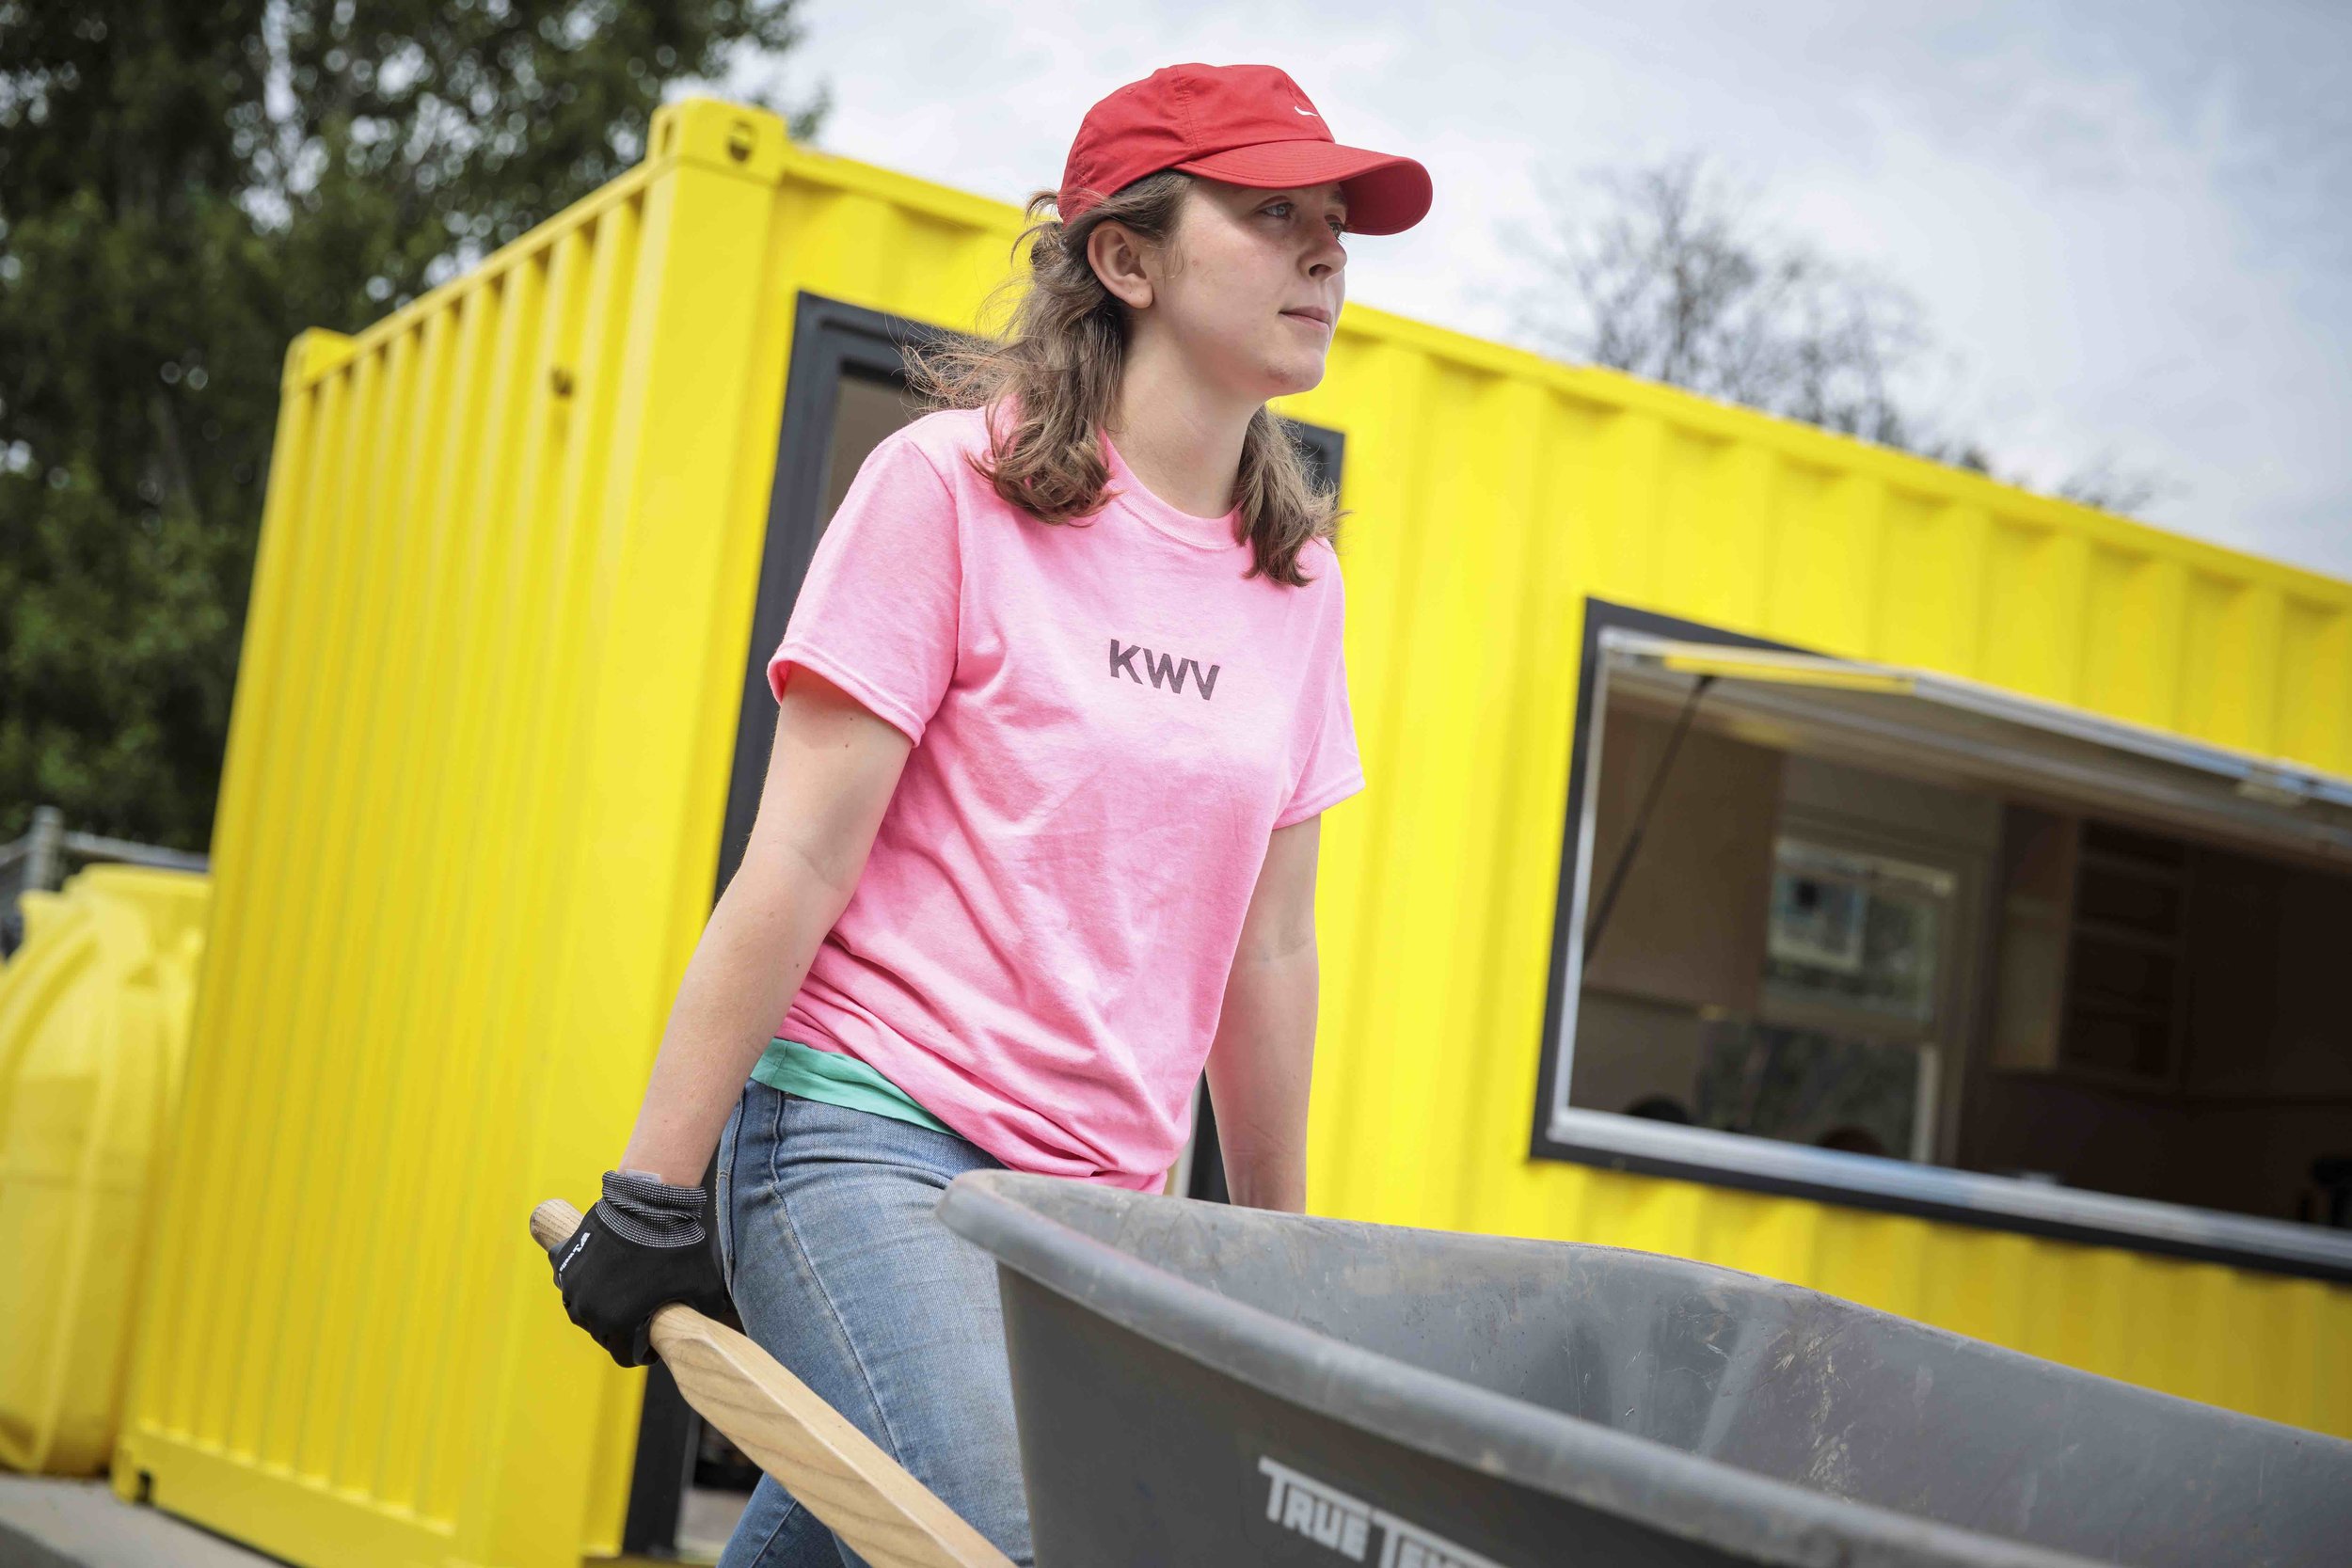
pixel 1823 908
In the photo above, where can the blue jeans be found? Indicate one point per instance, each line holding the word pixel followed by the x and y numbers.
pixel 840 1272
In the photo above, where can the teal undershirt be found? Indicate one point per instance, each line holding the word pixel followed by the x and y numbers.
pixel 838 1080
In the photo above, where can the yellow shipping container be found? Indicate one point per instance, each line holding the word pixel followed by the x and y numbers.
pixel 500 722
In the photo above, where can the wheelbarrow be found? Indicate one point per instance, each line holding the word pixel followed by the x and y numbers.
pixel 1196 1384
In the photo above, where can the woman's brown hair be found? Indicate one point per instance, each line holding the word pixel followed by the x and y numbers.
pixel 1058 363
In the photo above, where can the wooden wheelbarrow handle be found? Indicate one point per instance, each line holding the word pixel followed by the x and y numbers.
pixel 835 1471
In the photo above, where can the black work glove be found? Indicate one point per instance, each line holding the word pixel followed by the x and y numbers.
pixel 644 1244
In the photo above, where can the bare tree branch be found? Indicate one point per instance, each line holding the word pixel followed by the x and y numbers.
pixel 1668 272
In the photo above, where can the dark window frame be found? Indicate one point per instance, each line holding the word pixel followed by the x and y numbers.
pixel 1566 977
pixel 1616 1142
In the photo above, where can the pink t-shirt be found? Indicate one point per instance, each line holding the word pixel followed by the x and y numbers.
pixel 1108 721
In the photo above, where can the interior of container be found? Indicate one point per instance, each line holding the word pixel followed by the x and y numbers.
pixel 1859 920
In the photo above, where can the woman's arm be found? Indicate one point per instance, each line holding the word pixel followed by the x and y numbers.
pixel 830 776
pixel 1262 1058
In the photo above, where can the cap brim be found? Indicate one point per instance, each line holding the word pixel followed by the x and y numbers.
pixel 1386 194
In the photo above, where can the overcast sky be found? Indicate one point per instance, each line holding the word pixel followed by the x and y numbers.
pixel 2130 221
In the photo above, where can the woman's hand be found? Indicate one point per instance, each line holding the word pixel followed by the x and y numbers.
pixel 646 1244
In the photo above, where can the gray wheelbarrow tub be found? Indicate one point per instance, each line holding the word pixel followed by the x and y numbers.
pixel 1181 1368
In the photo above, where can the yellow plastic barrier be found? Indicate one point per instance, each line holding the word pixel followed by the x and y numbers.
pixel 94 1012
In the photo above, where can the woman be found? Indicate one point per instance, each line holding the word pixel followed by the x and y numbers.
pixel 1058 705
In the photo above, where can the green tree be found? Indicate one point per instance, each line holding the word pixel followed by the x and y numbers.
pixel 182 188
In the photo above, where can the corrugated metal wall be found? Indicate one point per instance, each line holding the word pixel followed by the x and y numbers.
pixel 1493 491
pixel 467 838
pixel 470 816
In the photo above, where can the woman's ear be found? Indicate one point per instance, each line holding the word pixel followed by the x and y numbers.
pixel 1119 258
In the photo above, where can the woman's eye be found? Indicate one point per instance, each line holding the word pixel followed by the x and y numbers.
pixel 1339 225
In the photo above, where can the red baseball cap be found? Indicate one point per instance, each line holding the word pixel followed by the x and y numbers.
pixel 1244 124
